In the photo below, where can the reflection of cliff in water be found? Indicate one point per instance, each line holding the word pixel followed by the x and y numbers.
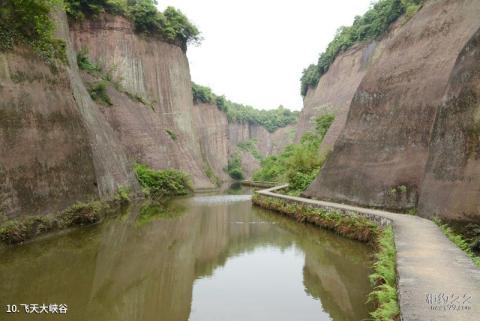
pixel 125 271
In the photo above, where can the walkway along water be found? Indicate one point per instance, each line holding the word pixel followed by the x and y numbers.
pixel 436 280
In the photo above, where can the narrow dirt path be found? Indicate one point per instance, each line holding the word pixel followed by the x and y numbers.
pixel 436 280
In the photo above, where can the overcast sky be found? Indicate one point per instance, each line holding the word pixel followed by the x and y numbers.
pixel 254 51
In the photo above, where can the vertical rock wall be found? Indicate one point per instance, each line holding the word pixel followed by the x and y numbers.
pixel 451 187
pixel 158 72
pixel 381 154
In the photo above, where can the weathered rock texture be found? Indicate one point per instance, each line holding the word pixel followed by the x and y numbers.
pixel 218 140
pixel 46 160
pixel 160 73
pixel 451 186
pixel 334 92
pixel 55 145
pixel 211 126
pixel 381 155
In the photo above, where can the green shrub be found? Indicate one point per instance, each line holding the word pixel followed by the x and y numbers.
pixel 202 94
pixel 374 23
pixel 170 133
pixel 123 195
pixel 298 164
pixel 234 167
pixel 28 22
pixel 163 182
pixel 98 92
pixel 83 213
pixel 84 63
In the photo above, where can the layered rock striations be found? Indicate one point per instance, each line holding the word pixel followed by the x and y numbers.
pixel 158 72
pixel 398 119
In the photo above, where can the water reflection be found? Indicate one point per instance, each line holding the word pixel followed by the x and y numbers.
pixel 205 258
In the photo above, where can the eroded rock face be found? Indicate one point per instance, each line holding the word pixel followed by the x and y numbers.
pixel 56 146
pixel 45 161
pixel 451 187
pixel 334 92
pixel 212 132
pixel 158 72
pixel 381 155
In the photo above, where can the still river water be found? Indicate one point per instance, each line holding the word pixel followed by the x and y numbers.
pixel 200 258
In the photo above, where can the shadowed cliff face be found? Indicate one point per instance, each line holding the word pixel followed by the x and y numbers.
pixel 381 154
pixel 159 72
pixel 45 161
pixel 218 139
pixel 451 187
pixel 56 147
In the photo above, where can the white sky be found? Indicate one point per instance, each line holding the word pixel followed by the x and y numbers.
pixel 254 51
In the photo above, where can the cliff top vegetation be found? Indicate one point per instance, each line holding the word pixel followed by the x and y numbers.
pixel 29 23
pixel 373 24
pixel 171 25
pixel 270 119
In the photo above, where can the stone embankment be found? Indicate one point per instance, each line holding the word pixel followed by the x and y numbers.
pixel 436 280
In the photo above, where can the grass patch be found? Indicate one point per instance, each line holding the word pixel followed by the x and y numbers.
pixel 167 182
pixel 98 92
pixel 384 279
pixel 29 23
pixel 170 133
pixel 79 214
pixel 458 240
pixel 358 228
pixel 351 226
pixel 84 63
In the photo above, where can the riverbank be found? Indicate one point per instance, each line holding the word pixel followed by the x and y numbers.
pixel 429 266
pixel 355 227
pixel 24 229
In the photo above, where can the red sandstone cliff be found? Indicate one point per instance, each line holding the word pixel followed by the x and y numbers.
pixel 397 121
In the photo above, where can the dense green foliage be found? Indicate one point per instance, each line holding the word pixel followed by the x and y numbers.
pixel 234 167
pixel 167 182
pixel 369 26
pixel 298 164
pixel 98 92
pixel 384 279
pixel 28 22
pixel 270 119
pixel 84 63
pixel 171 25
